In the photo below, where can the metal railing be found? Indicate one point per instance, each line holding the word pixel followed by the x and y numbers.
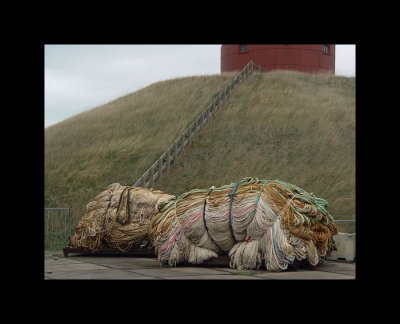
pixel 346 225
pixel 163 163
pixel 57 224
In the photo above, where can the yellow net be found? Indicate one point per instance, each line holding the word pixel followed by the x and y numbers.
pixel 117 217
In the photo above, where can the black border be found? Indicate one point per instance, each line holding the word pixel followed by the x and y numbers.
pixel 35 141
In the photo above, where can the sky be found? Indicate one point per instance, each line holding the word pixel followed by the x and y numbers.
pixel 81 77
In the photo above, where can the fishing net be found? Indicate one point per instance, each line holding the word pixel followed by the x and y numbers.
pixel 118 217
pixel 255 221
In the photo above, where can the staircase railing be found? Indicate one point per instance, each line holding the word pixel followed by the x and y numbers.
pixel 163 163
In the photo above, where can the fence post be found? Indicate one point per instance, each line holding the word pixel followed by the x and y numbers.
pixel 52 230
pixel 159 169
pixel 189 135
pixel 144 178
pixel 152 176
pixel 215 106
pixel 184 134
pixel 175 151
pixel 69 221
pixel 168 159
pixel 47 224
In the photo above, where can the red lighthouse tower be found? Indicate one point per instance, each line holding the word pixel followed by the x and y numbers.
pixel 304 58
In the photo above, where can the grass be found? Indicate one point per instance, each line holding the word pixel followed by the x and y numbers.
pixel 118 141
pixel 296 127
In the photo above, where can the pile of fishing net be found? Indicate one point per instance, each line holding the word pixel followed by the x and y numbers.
pixel 118 217
pixel 255 221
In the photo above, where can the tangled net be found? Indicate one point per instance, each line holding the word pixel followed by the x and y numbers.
pixel 254 221
pixel 118 217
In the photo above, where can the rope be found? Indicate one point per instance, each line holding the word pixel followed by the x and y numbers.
pixel 110 221
pixel 232 196
pixel 272 224
pixel 127 207
pixel 259 195
pixel 204 207
pixel 204 216
pixel 261 229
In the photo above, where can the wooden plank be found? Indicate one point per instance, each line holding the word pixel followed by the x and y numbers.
pixel 135 250
pixel 222 260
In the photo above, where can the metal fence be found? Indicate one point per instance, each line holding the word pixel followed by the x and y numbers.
pixel 346 225
pixel 57 226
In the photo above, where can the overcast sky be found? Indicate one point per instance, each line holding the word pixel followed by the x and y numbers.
pixel 81 77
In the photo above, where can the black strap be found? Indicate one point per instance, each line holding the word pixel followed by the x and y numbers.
pixel 204 206
pixel 127 210
pixel 204 217
pixel 232 196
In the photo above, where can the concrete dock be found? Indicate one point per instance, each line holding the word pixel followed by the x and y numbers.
pixel 57 266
